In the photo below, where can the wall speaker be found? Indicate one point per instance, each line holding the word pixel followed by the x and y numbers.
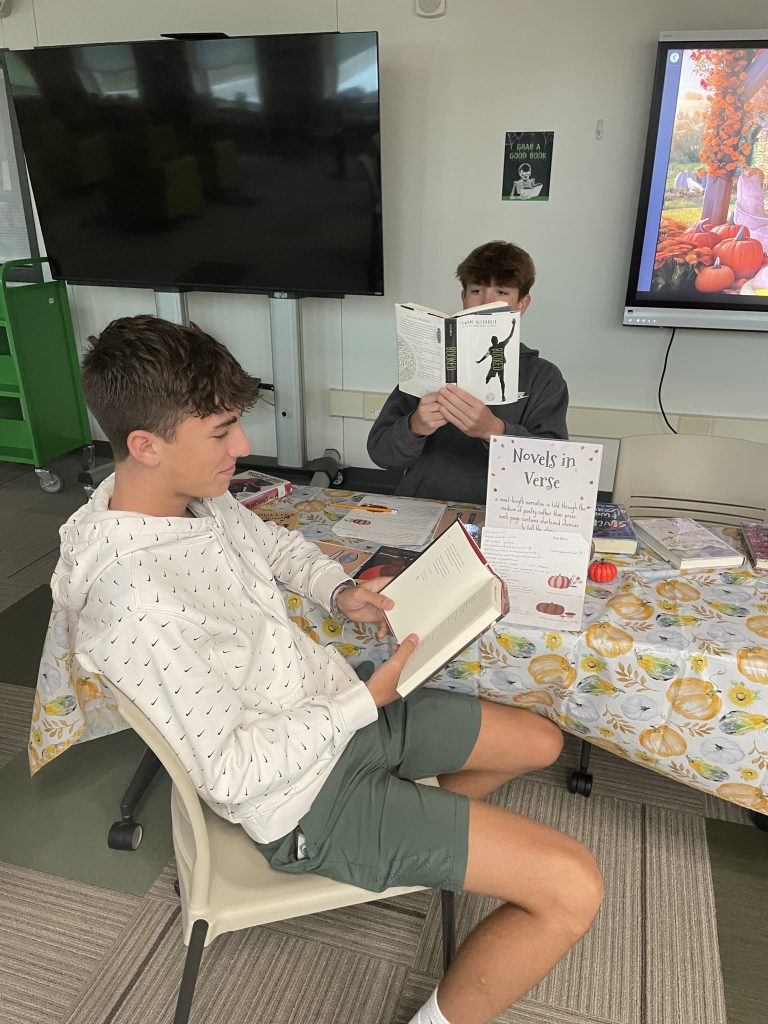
pixel 430 8
pixel 5 8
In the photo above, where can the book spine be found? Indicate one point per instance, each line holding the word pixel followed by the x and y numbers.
pixel 451 356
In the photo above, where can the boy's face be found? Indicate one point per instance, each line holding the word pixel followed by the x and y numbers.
pixel 200 461
pixel 480 294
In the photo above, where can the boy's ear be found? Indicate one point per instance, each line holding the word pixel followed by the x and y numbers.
pixel 524 303
pixel 143 447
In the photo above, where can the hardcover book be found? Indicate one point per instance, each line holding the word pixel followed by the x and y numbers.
pixel 756 542
pixel 613 532
pixel 686 544
pixel 477 348
pixel 448 596
pixel 253 487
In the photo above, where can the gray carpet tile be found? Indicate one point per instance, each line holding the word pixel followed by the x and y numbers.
pixel 683 976
pixel 10 593
pixel 162 887
pixel 38 571
pixel 611 829
pixel 10 471
pixel 725 810
pixel 54 934
pixel 258 975
pixel 15 715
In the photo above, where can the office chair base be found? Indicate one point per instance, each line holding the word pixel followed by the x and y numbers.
pixel 125 835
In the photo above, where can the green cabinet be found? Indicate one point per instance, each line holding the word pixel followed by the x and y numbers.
pixel 42 412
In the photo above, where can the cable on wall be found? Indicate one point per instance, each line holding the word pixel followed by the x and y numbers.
pixel 661 380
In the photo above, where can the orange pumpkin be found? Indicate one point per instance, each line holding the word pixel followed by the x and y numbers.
pixel 608 640
pixel 702 235
pixel 753 663
pixel 602 572
pixel 744 255
pixel 630 606
pixel 663 741
pixel 534 697
pixel 715 278
pixel 694 698
pixel 758 624
pixel 740 793
pixel 552 670
pixel 728 230
pixel 677 590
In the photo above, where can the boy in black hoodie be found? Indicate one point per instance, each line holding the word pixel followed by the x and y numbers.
pixel 440 442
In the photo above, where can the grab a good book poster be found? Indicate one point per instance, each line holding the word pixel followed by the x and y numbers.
pixel 527 165
pixel 540 508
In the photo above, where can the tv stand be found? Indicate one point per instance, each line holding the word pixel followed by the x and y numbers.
pixel 287 372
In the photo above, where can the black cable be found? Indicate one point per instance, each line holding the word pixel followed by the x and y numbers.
pixel 661 380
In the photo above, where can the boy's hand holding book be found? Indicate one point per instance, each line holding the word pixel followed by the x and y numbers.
pixel 383 683
pixel 362 602
pixel 471 416
pixel 428 417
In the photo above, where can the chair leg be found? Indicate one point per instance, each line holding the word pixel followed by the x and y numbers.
pixel 126 834
pixel 448 909
pixel 191 967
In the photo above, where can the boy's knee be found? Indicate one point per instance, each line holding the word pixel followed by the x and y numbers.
pixel 579 890
pixel 549 742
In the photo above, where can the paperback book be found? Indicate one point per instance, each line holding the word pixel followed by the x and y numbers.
pixel 613 533
pixel 756 542
pixel 478 349
pixel 686 544
pixel 448 596
pixel 253 487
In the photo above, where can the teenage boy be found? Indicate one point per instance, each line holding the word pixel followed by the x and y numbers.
pixel 440 442
pixel 170 587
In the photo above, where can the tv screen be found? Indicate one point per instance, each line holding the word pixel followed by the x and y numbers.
pixel 701 238
pixel 246 164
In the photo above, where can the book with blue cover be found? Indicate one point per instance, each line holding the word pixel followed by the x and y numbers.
pixel 613 533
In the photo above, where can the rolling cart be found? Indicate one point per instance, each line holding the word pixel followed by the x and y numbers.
pixel 42 412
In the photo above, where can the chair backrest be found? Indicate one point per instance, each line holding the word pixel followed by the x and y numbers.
pixel 713 479
pixel 189 819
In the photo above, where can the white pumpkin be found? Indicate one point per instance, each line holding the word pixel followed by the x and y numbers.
pixel 641 709
pixel 721 751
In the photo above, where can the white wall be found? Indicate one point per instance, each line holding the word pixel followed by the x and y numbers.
pixel 451 87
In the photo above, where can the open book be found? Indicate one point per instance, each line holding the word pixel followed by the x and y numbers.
pixel 686 544
pixel 447 597
pixel 476 348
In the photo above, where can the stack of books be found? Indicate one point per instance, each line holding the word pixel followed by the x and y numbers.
pixel 253 487
pixel 686 544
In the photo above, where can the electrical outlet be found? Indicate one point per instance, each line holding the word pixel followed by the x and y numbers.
pixel 372 404
pixel 695 425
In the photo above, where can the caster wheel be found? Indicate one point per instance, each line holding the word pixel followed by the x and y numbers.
pixel 50 481
pixel 580 782
pixel 338 480
pixel 759 820
pixel 176 887
pixel 125 835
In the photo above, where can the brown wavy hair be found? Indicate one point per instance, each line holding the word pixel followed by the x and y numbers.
pixel 502 262
pixel 144 373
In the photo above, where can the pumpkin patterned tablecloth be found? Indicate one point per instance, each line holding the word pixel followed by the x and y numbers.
pixel 669 669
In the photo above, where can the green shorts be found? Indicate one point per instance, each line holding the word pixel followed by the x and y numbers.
pixel 371 824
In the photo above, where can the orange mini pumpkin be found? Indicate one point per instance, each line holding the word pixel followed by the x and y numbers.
pixel 534 697
pixel 602 572
pixel 663 741
pixel 608 640
pixel 630 606
pixel 753 663
pixel 677 590
pixel 552 670
pixel 694 698
pixel 740 793
pixel 758 624
pixel 715 278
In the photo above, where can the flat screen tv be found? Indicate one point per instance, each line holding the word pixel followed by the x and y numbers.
pixel 247 164
pixel 701 238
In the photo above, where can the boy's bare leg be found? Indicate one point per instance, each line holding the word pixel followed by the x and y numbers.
pixel 552 889
pixel 511 742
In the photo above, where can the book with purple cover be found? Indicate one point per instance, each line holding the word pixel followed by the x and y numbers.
pixel 756 542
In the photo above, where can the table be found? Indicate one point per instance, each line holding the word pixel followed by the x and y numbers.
pixel 669 669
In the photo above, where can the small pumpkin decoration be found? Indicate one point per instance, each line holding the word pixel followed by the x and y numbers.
pixel 702 235
pixel 550 608
pixel 715 278
pixel 753 663
pixel 694 698
pixel 602 572
pixel 740 793
pixel 630 606
pixel 744 255
pixel 534 697
pixel 729 229
pixel 677 590
pixel 552 670
pixel 663 741
pixel 608 640
pixel 758 624
pixel 559 582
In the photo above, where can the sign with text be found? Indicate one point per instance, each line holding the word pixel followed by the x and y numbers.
pixel 527 165
pixel 540 509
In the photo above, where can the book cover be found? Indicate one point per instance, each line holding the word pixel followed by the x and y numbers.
pixel 350 559
pixel 686 544
pixel 253 487
pixel 477 348
pixel 756 542
pixel 386 561
pixel 613 532
pixel 473 519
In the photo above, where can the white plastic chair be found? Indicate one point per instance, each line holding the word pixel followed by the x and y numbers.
pixel 712 479
pixel 225 884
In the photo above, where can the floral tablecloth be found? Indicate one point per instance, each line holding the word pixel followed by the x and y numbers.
pixel 669 669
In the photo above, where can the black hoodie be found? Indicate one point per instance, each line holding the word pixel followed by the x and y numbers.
pixel 450 466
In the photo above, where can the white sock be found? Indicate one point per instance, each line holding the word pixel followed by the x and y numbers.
pixel 429 1013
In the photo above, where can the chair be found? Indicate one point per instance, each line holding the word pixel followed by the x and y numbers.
pixel 225 884
pixel 713 479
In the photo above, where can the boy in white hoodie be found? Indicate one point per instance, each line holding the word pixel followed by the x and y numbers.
pixel 170 588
